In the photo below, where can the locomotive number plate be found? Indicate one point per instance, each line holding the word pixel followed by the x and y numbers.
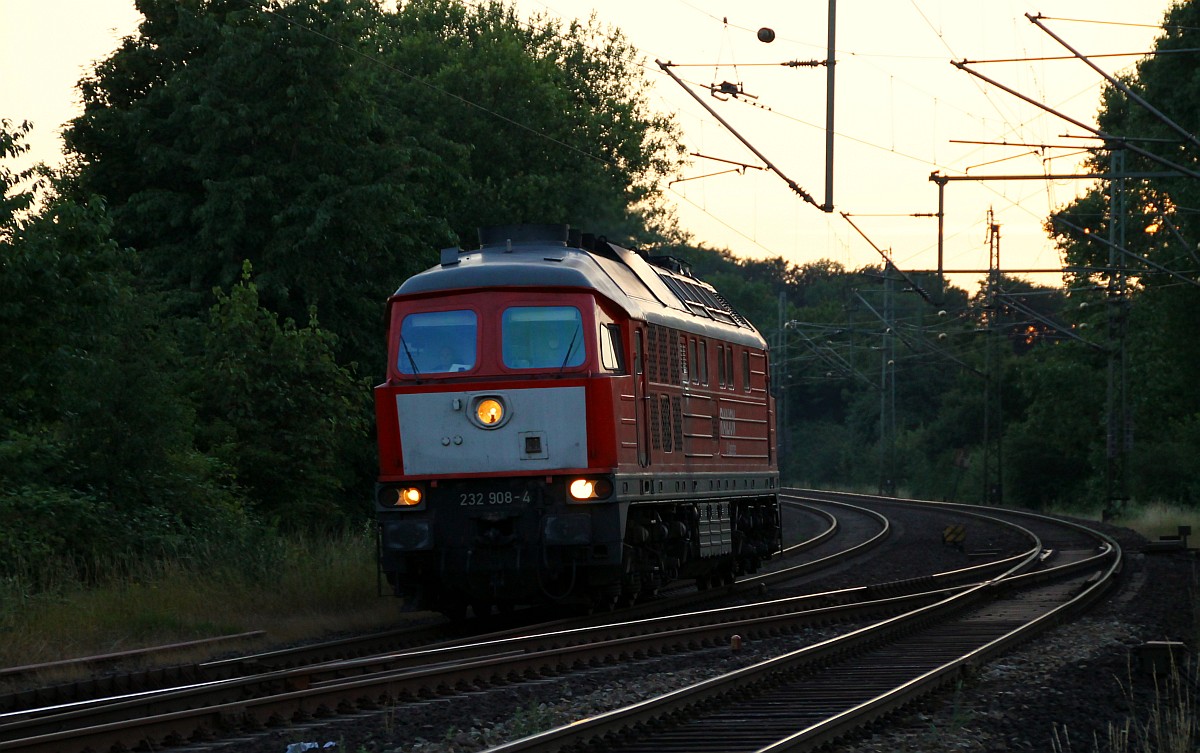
pixel 482 499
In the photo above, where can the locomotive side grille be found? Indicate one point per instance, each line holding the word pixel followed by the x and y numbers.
pixel 660 354
pixel 673 376
pixel 653 354
pixel 666 357
pixel 655 426
pixel 677 421
pixel 664 415
pixel 666 422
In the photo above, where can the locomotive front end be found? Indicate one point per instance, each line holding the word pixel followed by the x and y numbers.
pixel 496 435
pixel 487 516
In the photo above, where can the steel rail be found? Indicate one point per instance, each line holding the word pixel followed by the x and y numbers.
pixel 608 728
pixel 500 661
pixel 316 696
pixel 123 685
pixel 1091 591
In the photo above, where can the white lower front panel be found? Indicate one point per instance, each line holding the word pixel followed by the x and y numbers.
pixel 545 428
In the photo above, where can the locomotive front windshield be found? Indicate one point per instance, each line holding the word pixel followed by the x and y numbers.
pixel 542 337
pixel 437 342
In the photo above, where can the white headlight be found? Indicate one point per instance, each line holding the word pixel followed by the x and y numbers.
pixel 582 488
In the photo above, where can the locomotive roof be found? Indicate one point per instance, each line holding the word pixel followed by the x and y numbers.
pixel 542 256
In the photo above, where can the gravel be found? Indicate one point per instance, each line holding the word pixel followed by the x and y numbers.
pixel 1066 691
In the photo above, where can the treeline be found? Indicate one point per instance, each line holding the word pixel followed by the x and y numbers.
pixel 193 307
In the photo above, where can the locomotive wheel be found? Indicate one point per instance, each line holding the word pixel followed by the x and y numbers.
pixel 702 583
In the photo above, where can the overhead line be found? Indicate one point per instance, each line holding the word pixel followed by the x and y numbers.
pixel 1045 58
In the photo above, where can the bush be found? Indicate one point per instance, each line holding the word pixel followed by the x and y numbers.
pixel 277 408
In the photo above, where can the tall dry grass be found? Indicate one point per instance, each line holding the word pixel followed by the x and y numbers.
pixel 291 587
pixel 1151 519
pixel 1170 723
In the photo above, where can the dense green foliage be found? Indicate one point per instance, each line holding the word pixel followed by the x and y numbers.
pixel 96 432
pixel 1145 299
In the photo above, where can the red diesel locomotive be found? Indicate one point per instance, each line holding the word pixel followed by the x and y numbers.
pixel 568 421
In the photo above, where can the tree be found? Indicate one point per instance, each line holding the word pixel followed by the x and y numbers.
pixel 1155 315
pixel 226 131
pixel 17 195
pixel 278 410
pixel 336 145
pixel 553 119
pixel 96 453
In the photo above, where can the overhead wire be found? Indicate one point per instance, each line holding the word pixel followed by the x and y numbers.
pixel 600 158
pixel 1018 201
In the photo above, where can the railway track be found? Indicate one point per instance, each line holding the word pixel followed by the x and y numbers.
pixel 816 694
pixel 217 709
pixel 226 694
pixel 104 676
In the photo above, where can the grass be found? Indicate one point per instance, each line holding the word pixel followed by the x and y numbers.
pixel 293 588
pixel 1151 519
pixel 1168 722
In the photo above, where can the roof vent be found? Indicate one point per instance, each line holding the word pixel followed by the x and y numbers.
pixel 503 235
pixel 450 256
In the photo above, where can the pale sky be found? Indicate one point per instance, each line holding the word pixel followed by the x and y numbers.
pixel 899 107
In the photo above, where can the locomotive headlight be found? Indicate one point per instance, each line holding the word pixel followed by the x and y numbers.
pixel 489 412
pixel 400 496
pixel 584 489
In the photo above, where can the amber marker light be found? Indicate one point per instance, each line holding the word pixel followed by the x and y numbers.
pixel 409 496
pixel 489 412
pixel 583 489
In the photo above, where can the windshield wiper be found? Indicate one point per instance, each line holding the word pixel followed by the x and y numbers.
pixel 408 353
pixel 570 350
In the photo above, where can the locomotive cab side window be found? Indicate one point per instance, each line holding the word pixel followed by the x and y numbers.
pixel 610 349
pixel 437 342
pixel 542 337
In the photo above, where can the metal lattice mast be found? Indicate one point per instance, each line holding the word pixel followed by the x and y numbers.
pixel 993 428
pixel 1118 434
